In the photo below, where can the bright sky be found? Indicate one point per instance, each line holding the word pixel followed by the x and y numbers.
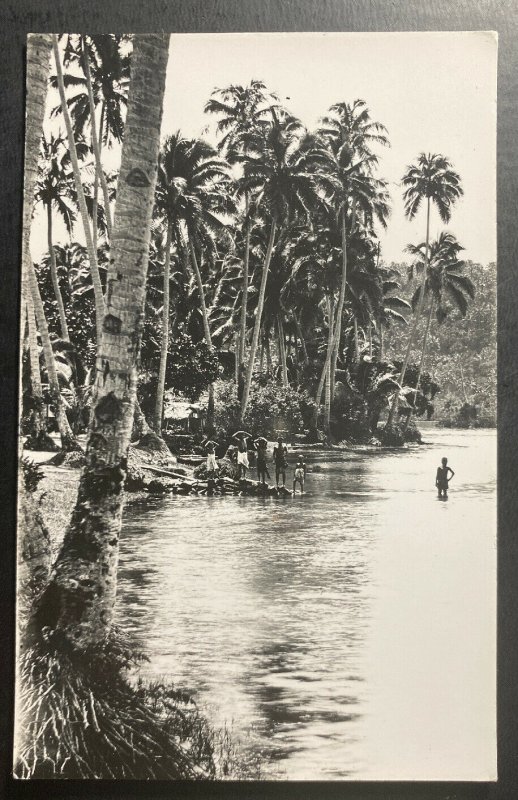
pixel 435 92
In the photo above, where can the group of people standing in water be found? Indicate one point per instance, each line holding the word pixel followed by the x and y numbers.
pixel 280 460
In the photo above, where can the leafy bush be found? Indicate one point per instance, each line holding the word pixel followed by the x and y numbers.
pixel 32 474
pixel 272 408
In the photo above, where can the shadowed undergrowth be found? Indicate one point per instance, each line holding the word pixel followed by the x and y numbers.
pixel 83 718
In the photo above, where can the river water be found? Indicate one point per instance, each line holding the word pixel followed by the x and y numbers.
pixel 345 634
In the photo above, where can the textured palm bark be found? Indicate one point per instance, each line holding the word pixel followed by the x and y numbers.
pixel 68 440
pixel 325 368
pixel 77 604
pixel 38 67
pixel 206 329
pixel 32 342
pixel 55 280
pixel 83 210
pixel 244 299
pixel 159 407
pixel 421 362
pixel 258 320
pixel 282 351
pixel 413 328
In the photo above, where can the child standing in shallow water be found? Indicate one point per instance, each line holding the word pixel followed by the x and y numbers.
pixel 299 475
pixel 442 480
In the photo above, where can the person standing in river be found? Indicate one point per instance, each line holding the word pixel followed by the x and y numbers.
pixel 280 453
pixel 262 469
pixel 299 475
pixel 442 480
pixel 242 438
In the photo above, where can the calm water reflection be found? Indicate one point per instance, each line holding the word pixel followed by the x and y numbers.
pixel 348 633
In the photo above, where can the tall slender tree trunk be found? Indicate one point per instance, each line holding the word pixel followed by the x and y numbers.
pixel 92 255
pixel 159 406
pixel 55 280
pixel 395 400
pixel 206 328
pixel 370 338
pixel 268 354
pixel 421 362
pixel 95 203
pixel 356 343
pixel 327 361
pixel 39 47
pixel 37 421
pixel 329 377
pixel 78 602
pixel 258 320
pixel 282 350
pixel 381 342
pixel 244 299
pixel 96 143
pixel 68 440
pixel 301 339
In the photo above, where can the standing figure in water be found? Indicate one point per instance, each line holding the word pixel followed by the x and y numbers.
pixel 280 453
pixel 442 480
pixel 299 475
pixel 242 452
pixel 262 470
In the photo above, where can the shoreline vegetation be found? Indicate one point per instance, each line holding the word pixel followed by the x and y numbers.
pixel 205 286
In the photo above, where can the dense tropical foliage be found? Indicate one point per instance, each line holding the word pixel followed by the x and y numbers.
pixel 266 268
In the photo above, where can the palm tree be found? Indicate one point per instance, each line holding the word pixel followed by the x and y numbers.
pixel 104 61
pixel 192 197
pixel 74 157
pixel 77 604
pixel 392 306
pixel 432 179
pixel 55 190
pixel 38 66
pixel 444 282
pixel 242 112
pixel 290 172
pixel 350 134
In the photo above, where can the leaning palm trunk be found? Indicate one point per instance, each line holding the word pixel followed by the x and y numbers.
pixel 159 407
pixel 77 604
pixel 38 66
pixel 96 143
pixel 258 320
pixel 244 298
pixel 301 339
pixel 325 368
pixel 68 440
pixel 92 255
pixel 38 427
pixel 206 328
pixel 341 298
pixel 55 280
pixel 333 323
pixel 39 47
pixel 421 362
pixel 282 351
pixel 395 399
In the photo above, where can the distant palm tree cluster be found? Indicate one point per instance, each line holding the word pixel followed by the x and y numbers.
pixel 264 244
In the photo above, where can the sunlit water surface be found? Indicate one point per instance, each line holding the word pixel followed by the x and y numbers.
pixel 346 634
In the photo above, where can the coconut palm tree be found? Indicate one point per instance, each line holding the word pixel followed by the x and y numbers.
pixel 433 180
pixel 192 197
pixel 83 210
pixel 290 172
pixel 392 306
pixel 104 61
pixel 38 65
pixel 350 135
pixel 55 191
pixel 243 111
pixel 445 284
pixel 77 604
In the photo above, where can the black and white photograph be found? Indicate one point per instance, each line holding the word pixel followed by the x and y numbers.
pixel 256 530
